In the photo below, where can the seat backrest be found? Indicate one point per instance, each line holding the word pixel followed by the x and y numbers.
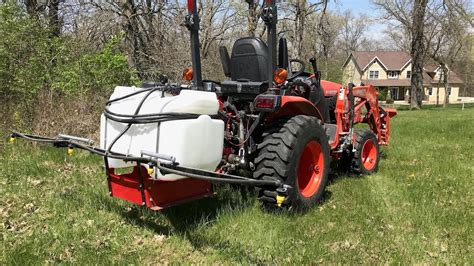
pixel 249 60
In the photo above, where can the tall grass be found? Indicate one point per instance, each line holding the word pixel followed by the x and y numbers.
pixel 417 209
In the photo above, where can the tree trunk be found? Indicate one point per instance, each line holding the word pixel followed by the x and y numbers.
pixel 300 16
pixel 252 17
pixel 53 16
pixel 31 6
pixel 135 36
pixel 446 85
pixel 437 96
pixel 417 52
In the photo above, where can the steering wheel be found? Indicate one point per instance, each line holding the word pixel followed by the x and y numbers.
pixel 299 72
pixel 299 88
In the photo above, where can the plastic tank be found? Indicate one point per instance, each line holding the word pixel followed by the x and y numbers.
pixel 195 143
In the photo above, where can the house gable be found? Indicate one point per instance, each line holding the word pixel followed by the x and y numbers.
pixel 376 65
pixel 404 71
pixel 351 71
pixel 373 61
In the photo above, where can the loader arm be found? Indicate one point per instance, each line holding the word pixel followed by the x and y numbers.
pixel 377 117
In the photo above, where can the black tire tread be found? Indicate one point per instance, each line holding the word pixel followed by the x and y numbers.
pixel 275 151
pixel 355 165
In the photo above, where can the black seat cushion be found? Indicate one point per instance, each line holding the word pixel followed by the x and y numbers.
pixel 249 60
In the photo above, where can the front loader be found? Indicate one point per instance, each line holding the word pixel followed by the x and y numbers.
pixel 267 126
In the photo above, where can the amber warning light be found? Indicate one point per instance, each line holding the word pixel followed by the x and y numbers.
pixel 280 75
pixel 188 74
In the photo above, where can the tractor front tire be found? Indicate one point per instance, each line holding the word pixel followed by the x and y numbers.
pixel 366 157
pixel 295 151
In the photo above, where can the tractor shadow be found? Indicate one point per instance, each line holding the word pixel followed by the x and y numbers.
pixel 185 218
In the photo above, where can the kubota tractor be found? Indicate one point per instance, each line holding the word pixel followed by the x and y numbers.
pixel 268 126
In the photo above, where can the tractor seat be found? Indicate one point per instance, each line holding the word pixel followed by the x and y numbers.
pixel 249 60
pixel 246 68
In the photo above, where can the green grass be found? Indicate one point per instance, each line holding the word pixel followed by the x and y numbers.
pixel 419 208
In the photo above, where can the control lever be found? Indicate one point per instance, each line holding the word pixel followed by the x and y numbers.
pixel 317 73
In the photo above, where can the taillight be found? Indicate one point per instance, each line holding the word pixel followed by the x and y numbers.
pixel 267 103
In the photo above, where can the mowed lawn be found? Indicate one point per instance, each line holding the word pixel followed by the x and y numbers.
pixel 419 208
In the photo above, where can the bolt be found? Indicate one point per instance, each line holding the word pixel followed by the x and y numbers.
pixel 316 169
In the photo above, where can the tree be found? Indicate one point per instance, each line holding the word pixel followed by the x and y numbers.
pixel 411 15
pixel 447 39
pixel 352 32
pixel 417 53
pixel 298 13
pixel 217 18
pixel 252 17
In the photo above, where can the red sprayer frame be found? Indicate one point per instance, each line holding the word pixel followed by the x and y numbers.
pixel 155 194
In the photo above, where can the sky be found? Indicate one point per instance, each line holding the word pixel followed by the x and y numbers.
pixel 358 7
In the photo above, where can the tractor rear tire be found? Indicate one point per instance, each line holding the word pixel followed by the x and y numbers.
pixel 295 151
pixel 366 157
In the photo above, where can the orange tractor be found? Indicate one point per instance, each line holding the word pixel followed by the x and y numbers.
pixel 268 126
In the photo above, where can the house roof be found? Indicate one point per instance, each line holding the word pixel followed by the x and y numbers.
pixel 452 78
pixel 396 60
pixel 431 65
pixel 390 60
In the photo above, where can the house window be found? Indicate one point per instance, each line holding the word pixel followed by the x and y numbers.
pixel 373 74
pixel 392 74
pixel 430 91
pixel 408 74
pixel 449 91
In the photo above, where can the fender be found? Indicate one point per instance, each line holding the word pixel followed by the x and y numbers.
pixel 295 105
pixel 330 88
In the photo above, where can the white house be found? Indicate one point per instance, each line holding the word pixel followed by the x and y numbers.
pixel 391 70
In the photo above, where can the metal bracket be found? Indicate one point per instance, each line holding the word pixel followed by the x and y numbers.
pixel 156 156
pixel 268 15
pixel 80 139
pixel 191 21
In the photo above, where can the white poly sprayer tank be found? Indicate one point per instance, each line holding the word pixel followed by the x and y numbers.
pixel 195 143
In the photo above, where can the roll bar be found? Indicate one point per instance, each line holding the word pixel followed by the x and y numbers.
pixel 269 16
pixel 192 23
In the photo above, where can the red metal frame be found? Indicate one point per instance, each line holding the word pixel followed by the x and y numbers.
pixel 294 105
pixel 310 169
pixel 157 194
pixel 365 96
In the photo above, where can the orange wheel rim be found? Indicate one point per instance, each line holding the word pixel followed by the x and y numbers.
pixel 369 155
pixel 310 169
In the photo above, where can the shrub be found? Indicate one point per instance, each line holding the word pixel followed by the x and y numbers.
pixel 93 71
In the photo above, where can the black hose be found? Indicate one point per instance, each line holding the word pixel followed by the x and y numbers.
pixel 130 124
pixel 145 118
pixel 172 169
